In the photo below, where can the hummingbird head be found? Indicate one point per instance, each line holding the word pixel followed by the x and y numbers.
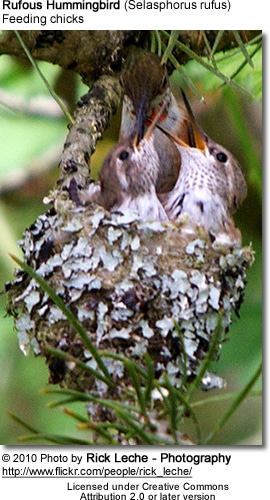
pixel 224 167
pixel 222 160
pixel 145 81
pixel 131 167
pixel 226 164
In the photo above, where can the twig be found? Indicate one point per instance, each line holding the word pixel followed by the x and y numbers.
pixel 91 118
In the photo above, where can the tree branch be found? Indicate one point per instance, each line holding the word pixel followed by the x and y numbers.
pixel 91 53
pixel 88 53
pixel 92 117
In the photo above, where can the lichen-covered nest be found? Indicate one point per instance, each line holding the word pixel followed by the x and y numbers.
pixel 136 287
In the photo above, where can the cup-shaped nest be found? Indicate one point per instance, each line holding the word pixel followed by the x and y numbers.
pixel 140 289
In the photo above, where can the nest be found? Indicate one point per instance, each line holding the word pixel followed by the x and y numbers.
pixel 138 288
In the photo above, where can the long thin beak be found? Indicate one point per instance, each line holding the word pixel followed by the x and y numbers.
pixel 140 127
pixel 172 136
pixel 136 141
pixel 141 118
pixel 154 122
pixel 198 139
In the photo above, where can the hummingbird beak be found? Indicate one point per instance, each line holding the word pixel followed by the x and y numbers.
pixel 198 139
pixel 136 141
pixel 141 118
pixel 140 133
pixel 153 123
pixel 172 136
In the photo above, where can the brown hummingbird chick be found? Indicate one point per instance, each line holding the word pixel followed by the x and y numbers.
pixel 128 176
pixel 146 88
pixel 210 186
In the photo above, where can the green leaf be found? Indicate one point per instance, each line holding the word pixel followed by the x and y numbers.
pixel 45 81
pixel 238 400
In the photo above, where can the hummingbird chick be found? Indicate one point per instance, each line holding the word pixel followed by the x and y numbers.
pixel 146 88
pixel 128 176
pixel 210 185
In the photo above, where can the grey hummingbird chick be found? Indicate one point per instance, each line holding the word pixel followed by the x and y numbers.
pixel 210 186
pixel 128 177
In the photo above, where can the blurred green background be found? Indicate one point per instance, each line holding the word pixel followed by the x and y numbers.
pixel 33 131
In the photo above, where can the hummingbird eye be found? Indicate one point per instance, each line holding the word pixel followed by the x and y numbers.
pixel 222 157
pixel 124 155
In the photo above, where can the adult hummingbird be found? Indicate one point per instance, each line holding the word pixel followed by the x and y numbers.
pixel 210 186
pixel 128 176
pixel 146 88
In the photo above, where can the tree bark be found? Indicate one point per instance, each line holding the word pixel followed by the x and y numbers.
pixel 91 118
pixel 91 53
